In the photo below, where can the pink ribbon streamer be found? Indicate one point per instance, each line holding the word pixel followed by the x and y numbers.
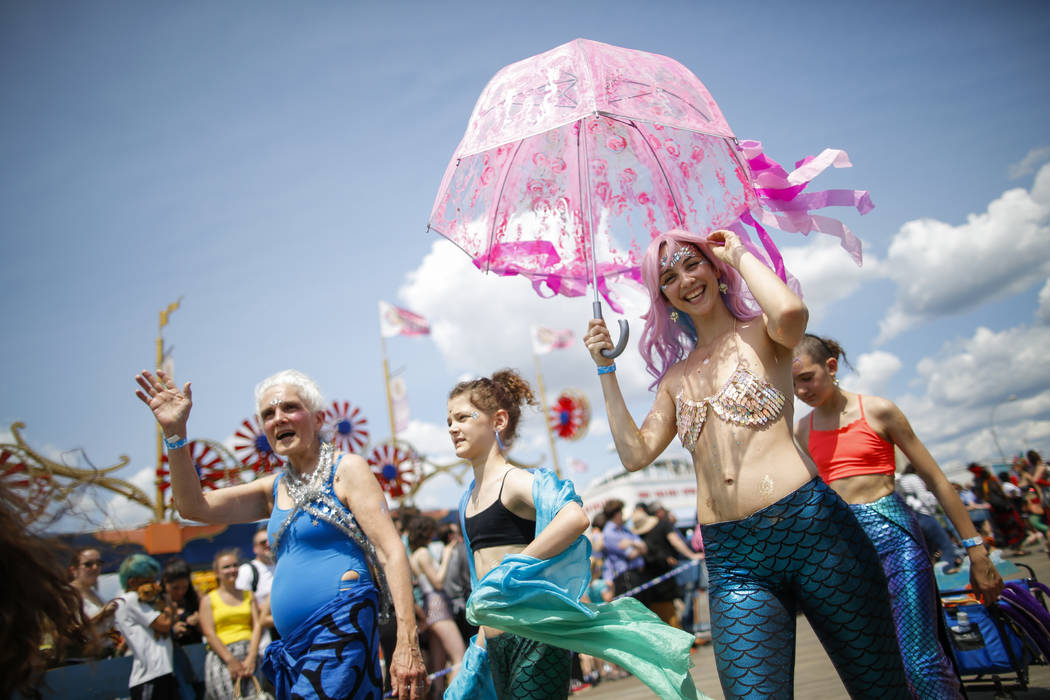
pixel 782 203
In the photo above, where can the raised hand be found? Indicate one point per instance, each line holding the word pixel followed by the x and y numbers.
pixel 726 246
pixel 170 406
pixel 597 338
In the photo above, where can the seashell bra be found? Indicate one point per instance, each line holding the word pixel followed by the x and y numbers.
pixel 745 399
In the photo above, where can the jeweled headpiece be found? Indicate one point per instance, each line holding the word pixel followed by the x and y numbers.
pixel 683 251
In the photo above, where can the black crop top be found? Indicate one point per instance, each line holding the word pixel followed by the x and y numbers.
pixel 497 526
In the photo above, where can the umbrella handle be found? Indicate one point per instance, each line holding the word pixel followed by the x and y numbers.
pixel 625 333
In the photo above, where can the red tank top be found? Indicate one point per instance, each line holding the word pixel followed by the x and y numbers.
pixel 850 451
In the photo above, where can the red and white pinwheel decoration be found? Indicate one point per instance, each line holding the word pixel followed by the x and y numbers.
pixel 396 468
pixel 213 470
pixel 569 415
pixel 253 449
pixel 348 425
pixel 32 486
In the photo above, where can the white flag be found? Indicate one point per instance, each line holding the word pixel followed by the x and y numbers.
pixel 546 339
pixel 397 321
pixel 399 400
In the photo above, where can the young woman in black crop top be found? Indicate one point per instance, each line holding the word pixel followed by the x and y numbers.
pixel 500 519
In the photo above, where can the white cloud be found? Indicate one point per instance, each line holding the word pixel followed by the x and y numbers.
pixel 979 391
pixel 1027 165
pixel 430 440
pixel 1043 312
pixel 943 269
pixel 826 273
pixel 873 373
pixel 481 322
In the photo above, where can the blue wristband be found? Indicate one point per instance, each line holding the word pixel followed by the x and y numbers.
pixel 175 442
pixel 972 542
pixel 607 369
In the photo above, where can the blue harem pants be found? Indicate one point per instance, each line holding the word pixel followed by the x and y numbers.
pixel 333 654
pixel 805 552
pixel 913 594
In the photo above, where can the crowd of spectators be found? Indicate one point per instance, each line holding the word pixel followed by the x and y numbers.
pixel 160 610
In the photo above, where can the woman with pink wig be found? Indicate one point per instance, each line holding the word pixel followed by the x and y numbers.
pixel 718 338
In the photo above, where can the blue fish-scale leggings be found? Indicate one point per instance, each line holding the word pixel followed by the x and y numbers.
pixel 806 551
pixel 913 594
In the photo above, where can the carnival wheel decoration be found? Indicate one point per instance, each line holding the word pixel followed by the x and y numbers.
pixel 348 425
pixel 253 449
pixel 396 467
pixel 33 487
pixel 569 415
pixel 213 470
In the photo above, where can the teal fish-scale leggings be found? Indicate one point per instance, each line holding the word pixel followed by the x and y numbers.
pixel 805 552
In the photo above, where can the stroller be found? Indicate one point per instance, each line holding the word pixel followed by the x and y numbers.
pixel 990 645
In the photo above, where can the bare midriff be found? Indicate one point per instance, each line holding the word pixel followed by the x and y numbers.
pixel 485 560
pixel 863 488
pixel 740 470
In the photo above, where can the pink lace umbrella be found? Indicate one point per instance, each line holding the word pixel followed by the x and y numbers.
pixel 574 159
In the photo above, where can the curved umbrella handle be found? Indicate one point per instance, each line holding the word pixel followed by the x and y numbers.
pixel 625 333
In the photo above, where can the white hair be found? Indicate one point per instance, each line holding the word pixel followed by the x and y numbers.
pixel 307 389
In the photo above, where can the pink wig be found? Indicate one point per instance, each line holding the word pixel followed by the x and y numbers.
pixel 665 342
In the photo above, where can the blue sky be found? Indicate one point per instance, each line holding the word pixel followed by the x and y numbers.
pixel 274 165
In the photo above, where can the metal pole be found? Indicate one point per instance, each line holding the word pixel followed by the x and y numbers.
pixel 389 397
pixel 546 418
pixel 991 426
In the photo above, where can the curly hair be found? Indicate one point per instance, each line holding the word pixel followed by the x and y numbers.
pixel 38 602
pixel 420 531
pixel 505 390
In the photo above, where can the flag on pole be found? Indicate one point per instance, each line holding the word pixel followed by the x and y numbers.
pixel 577 465
pixel 399 399
pixel 546 339
pixel 397 321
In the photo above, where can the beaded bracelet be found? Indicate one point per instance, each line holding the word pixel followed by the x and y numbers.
pixel 972 542
pixel 175 442
pixel 607 369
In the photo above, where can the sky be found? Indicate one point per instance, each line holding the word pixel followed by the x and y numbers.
pixel 273 166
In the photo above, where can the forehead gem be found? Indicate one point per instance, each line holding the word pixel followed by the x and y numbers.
pixel 681 252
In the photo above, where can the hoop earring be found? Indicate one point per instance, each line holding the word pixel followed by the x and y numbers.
pixel 499 441
pixel 723 287
pixel 674 316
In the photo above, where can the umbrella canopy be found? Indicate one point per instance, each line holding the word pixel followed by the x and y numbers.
pixel 573 160
pixel 588 140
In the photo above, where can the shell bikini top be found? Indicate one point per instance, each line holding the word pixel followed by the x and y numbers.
pixel 745 399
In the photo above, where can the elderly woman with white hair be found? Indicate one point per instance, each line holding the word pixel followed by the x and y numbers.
pixel 329 529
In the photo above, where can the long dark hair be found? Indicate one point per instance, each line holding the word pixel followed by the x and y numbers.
pixel 37 600
pixel 175 570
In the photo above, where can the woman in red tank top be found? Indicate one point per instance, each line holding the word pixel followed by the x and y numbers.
pixel 852 440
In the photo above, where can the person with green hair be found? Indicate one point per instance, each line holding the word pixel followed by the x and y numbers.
pixel 144 617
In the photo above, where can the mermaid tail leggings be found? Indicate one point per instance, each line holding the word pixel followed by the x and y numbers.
pixel 524 669
pixel 805 552
pixel 913 594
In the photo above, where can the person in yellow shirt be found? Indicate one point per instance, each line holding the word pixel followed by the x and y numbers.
pixel 230 621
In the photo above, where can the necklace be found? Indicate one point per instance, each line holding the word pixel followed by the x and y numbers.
pixel 303 490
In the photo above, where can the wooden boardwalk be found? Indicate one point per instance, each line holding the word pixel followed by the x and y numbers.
pixel 815 677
